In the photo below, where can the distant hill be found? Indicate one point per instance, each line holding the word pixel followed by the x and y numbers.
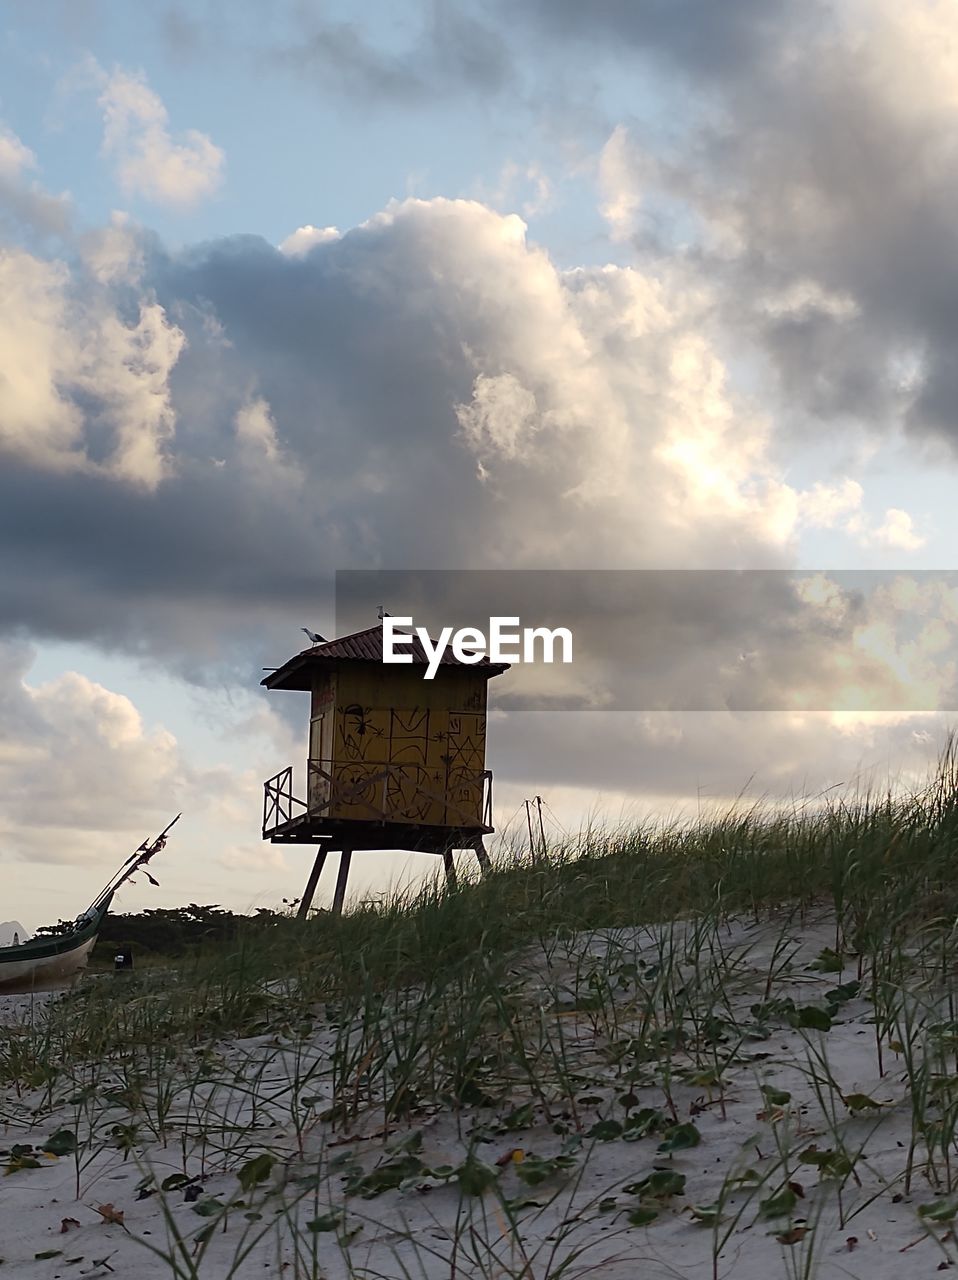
pixel 10 927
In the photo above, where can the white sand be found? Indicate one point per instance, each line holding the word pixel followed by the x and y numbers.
pixel 22 1007
pixel 883 1237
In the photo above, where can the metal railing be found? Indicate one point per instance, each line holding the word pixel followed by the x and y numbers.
pixel 279 803
pixel 378 792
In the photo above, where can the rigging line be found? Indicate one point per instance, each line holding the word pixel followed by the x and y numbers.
pixel 512 817
pixel 502 832
pixel 564 830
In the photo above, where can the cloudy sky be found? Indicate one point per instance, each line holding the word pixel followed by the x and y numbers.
pixel 455 284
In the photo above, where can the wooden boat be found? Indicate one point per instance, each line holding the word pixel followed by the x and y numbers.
pixel 52 957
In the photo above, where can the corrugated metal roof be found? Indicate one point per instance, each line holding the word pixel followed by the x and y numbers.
pixel 367 646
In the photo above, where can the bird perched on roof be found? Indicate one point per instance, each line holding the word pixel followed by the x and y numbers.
pixel 383 613
pixel 314 636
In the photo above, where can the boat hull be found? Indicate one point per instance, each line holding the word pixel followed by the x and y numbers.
pixel 29 971
pixel 42 960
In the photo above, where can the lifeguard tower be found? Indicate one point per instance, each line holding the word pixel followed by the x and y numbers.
pixel 394 761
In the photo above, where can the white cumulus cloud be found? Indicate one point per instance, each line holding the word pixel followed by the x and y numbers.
pixel 149 160
pixel 84 388
pixel 305 238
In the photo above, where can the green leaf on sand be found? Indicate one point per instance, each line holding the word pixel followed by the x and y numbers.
pixel 680 1137
pixel 256 1170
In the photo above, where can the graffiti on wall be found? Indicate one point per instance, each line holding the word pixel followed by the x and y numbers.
pixel 420 765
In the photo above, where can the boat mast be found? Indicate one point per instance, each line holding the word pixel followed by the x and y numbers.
pixel 134 862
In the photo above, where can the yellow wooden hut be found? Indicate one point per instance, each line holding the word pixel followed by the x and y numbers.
pixel 394 761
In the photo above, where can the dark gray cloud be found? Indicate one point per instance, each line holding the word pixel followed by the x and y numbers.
pixel 703 758
pixel 813 149
pixel 700 36
pixel 648 640
pixel 840 191
pixel 823 184
pixel 27 208
pixel 449 49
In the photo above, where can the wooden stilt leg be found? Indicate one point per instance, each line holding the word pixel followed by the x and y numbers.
pixel 450 865
pixel 307 900
pixel 339 896
pixel 481 856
